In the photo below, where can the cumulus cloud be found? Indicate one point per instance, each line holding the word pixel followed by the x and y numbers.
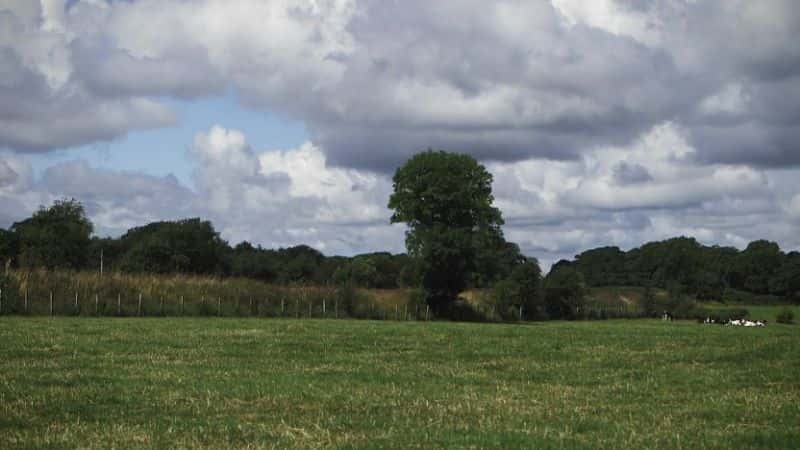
pixel 604 122
pixel 377 81
pixel 553 209
pixel 289 196
pixel 275 198
pixel 43 105
pixel 556 209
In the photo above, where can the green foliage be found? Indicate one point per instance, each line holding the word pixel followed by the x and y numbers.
pixel 785 280
pixel 565 292
pixel 446 201
pixel 54 237
pixel 9 247
pixel 706 273
pixel 184 246
pixel 522 290
pixel 785 316
pixel 450 250
pixel 359 271
pixel 648 304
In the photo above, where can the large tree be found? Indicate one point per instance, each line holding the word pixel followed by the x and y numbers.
pixel 446 201
pixel 57 236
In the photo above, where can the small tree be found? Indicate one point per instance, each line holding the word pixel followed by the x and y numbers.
pixel 519 296
pixel 565 292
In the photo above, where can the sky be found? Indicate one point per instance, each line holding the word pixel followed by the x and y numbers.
pixel 610 122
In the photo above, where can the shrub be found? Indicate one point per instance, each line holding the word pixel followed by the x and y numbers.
pixel 462 311
pixel 785 316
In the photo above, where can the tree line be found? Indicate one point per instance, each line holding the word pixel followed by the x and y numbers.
pixel 703 272
pixel 60 237
pixel 454 242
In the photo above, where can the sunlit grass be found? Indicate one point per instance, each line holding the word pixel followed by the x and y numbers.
pixel 246 383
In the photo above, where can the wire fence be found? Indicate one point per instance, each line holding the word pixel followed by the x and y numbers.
pixel 136 304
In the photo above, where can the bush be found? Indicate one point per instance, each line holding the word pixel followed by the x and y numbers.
pixel 462 311
pixel 785 316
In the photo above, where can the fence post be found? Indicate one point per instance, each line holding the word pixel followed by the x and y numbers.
pixel 282 309
pixel 405 312
pixel 250 308
pixel 297 308
pixel 219 306
pixel 51 303
pixel 323 307
pixel 336 307
pixel 395 313
pixel 520 312
pixel 161 304
pixel 26 300
pixel 1 301
pixel 181 305
pixel 427 312
pixel 96 302
pixel 139 307
pixel 119 304
pixel 76 301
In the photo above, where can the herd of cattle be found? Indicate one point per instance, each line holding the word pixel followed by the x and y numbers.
pixel 738 322
pixel 726 322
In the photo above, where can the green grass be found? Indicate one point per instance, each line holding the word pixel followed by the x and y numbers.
pixel 255 383
pixel 758 312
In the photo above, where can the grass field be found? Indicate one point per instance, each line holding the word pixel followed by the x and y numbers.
pixel 763 312
pixel 255 383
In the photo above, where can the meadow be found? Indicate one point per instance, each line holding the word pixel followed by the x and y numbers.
pixel 69 382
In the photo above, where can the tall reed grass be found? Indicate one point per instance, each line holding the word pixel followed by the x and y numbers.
pixel 118 294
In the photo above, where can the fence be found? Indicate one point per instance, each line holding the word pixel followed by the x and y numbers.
pixel 329 303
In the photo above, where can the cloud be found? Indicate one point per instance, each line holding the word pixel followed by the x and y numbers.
pixel 794 207
pixel 627 174
pixel 556 209
pixel 275 198
pixel 290 196
pixel 604 122
pixel 375 82
pixel 43 105
pixel 553 209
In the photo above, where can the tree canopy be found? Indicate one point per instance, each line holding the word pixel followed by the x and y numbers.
pixel 446 201
pixel 54 237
